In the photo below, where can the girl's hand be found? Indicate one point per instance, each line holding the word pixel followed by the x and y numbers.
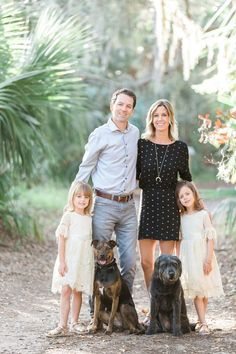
pixel 62 269
pixel 207 267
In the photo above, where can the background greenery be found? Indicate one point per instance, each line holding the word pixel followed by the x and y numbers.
pixel 61 61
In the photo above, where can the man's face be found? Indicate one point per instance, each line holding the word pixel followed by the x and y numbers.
pixel 122 108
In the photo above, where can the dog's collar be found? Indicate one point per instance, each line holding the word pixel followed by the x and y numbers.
pixel 109 265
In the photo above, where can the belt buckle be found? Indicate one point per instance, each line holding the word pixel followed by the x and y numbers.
pixel 119 198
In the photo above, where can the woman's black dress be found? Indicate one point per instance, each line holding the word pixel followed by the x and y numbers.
pixel 159 216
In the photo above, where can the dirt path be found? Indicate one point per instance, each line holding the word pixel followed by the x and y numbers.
pixel 28 310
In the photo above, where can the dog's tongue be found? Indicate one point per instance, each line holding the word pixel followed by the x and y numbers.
pixel 102 262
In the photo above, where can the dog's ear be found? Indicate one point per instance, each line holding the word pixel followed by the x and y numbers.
pixel 157 262
pixel 157 265
pixel 180 266
pixel 111 243
pixel 94 243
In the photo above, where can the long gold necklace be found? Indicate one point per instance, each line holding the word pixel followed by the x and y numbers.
pixel 159 169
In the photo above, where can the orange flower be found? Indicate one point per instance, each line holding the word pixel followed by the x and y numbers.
pixel 218 123
pixel 219 112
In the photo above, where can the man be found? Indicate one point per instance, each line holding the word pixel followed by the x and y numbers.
pixel 110 159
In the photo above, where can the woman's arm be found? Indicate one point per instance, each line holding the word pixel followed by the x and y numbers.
pixel 184 172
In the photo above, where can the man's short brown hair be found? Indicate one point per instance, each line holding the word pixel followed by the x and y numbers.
pixel 125 91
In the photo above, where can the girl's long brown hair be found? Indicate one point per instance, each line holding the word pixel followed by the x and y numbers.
pixel 198 203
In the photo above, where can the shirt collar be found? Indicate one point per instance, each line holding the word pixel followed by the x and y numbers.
pixel 113 127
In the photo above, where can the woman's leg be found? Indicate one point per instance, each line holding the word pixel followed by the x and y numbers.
pixel 200 308
pixel 177 248
pixel 76 305
pixel 147 250
pixel 65 305
pixel 167 247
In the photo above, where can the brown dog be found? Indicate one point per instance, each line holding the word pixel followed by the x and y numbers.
pixel 113 301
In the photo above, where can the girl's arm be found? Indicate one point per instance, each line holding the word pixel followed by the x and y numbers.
pixel 210 235
pixel 62 269
pixel 207 266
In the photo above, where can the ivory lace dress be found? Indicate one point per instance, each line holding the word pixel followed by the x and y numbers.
pixel 77 230
pixel 196 229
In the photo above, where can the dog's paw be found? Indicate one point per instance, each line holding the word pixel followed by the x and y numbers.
pixel 177 333
pixel 140 329
pixel 108 331
pixel 92 329
pixel 150 331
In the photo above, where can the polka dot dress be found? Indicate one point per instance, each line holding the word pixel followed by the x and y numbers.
pixel 159 215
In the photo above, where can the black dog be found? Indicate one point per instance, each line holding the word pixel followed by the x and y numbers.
pixel 168 308
pixel 113 301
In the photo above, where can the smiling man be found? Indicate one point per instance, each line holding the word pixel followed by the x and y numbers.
pixel 110 159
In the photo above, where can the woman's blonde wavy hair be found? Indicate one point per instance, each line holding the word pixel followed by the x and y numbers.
pixel 150 129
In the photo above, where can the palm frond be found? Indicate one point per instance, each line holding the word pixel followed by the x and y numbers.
pixel 48 76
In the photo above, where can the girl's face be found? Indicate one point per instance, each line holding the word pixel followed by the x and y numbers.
pixel 80 202
pixel 160 119
pixel 186 198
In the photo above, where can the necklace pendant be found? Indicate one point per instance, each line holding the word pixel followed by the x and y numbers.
pixel 158 179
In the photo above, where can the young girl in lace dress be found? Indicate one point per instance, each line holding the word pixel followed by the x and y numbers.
pixel 74 266
pixel 201 277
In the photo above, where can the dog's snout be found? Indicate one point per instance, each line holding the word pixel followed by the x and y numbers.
pixel 171 274
pixel 102 256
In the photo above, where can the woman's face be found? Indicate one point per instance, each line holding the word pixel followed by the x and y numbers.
pixel 161 119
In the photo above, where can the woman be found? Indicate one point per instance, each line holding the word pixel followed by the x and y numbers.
pixel 161 158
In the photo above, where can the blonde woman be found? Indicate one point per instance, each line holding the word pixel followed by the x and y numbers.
pixel 162 158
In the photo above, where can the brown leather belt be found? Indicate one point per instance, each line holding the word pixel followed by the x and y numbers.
pixel 117 198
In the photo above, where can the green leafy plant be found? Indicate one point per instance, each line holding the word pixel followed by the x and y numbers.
pixel 221 133
pixel 41 72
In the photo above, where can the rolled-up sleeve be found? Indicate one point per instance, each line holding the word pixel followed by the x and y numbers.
pixel 92 151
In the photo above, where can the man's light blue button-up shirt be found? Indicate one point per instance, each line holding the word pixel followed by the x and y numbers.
pixel 110 159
